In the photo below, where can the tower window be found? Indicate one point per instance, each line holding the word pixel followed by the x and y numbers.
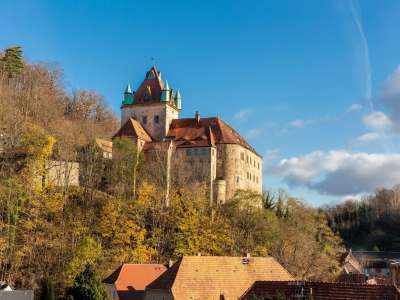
pixel 203 151
pixel 156 119
pixel 196 151
pixel 188 152
pixel 242 156
pixel 144 120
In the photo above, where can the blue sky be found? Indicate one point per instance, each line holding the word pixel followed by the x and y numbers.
pixel 314 85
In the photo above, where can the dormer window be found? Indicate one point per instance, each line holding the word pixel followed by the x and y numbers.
pixel 144 120
pixel 147 94
pixel 156 119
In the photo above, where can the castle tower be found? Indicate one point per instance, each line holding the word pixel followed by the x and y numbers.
pixel 154 105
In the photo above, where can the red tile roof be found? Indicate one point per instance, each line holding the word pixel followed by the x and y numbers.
pixel 208 277
pixel 212 130
pixel 155 84
pixel 133 128
pixel 323 290
pixel 131 280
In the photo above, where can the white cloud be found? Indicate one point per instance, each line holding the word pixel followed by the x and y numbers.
pixel 354 107
pixel 253 133
pixel 271 155
pixel 369 137
pixel 243 114
pixel 299 123
pixel 341 172
pixel 377 120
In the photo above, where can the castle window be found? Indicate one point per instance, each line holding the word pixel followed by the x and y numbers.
pixel 247 159
pixel 250 160
pixel 144 120
pixel 259 166
pixel 188 152
pixel 156 119
pixel 257 179
pixel 196 151
pixel 203 151
pixel 242 156
pixel 237 179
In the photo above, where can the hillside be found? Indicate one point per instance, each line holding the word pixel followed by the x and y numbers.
pixel 117 214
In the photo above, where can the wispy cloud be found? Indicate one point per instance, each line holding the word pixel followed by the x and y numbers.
pixel 368 138
pixel 354 107
pixel 254 133
pixel 300 123
pixel 355 13
pixel 377 120
pixel 243 114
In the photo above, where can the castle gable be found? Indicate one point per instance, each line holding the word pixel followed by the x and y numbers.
pixel 133 128
pixel 150 89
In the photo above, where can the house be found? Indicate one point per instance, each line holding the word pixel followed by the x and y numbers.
pixel 213 277
pixel 207 149
pixel 295 290
pixel 7 293
pixel 373 267
pixel 129 281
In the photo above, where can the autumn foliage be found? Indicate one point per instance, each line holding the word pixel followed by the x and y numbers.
pixel 118 214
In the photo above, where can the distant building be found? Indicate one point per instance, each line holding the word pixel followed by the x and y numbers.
pixel 295 290
pixel 373 267
pixel 213 277
pixel 129 281
pixel 7 293
pixel 150 117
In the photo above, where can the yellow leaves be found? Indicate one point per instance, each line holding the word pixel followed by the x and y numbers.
pixel 87 252
pixel 54 203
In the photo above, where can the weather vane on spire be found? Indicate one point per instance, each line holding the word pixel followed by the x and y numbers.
pixel 153 60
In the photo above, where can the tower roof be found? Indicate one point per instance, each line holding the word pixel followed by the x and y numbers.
pixel 152 83
pixel 128 89
pixel 133 128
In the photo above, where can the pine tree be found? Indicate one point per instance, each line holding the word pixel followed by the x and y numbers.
pixel 12 61
pixel 87 286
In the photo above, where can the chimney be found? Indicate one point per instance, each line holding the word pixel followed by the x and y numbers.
pixel 197 116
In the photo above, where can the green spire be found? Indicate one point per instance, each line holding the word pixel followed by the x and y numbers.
pixel 128 89
pixel 128 95
pixel 178 100
pixel 165 93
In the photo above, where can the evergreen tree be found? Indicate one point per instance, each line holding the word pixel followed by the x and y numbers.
pixel 87 286
pixel 12 61
pixel 47 290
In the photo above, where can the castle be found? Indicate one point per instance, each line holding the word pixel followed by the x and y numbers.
pixel 150 117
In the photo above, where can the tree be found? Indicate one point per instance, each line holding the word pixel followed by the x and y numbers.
pixel 87 286
pixel 12 62
pixel 47 290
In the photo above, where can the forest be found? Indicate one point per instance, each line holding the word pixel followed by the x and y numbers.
pixel 371 223
pixel 118 214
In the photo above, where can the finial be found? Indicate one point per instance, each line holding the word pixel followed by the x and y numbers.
pixel 166 86
pixel 128 89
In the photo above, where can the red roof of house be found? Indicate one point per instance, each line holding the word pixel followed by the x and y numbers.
pixel 133 128
pixel 323 290
pixel 212 130
pixel 131 280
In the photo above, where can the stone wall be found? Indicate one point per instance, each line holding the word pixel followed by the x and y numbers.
pixel 62 173
pixel 240 168
pixel 164 112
